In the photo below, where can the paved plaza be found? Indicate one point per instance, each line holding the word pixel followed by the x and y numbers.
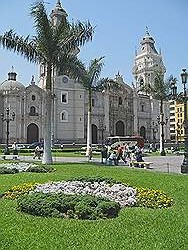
pixel 169 164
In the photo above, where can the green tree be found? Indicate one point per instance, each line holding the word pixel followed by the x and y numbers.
pixel 51 44
pixel 91 81
pixel 160 90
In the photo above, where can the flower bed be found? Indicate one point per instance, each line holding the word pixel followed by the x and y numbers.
pixel 17 167
pixel 88 198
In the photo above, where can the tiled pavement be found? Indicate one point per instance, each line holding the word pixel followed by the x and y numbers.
pixel 170 164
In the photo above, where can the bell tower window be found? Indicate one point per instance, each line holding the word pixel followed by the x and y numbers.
pixel 120 101
pixel 64 97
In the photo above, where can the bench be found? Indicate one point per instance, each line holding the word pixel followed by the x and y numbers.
pixel 179 153
pixel 139 164
pixel 10 157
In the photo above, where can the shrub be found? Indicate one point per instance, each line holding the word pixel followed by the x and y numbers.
pixel 108 210
pixel 96 179
pixel 5 170
pixel 153 198
pixel 40 169
pixel 19 190
pixel 67 206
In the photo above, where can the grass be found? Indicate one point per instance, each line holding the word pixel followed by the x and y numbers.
pixel 135 228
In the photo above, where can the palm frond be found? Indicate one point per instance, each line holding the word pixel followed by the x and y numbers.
pixel 22 46
pixel 44 29
pixel 78 35
pixel 71 66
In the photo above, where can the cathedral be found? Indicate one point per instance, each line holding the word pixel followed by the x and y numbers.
pixel 121 109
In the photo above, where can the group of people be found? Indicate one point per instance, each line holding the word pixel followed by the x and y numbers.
pixel 124 152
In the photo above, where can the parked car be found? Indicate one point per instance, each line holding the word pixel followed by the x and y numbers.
pixel 35 144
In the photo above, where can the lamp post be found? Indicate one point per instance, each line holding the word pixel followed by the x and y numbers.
pixel 184 166
pixel 7 118
pixel 154 129
pixel 161 121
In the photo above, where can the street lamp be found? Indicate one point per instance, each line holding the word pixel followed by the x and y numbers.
pixel 184 166
pixel 7 118
pixel 154 129
pixel 161 121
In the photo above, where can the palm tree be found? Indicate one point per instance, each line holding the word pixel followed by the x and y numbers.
pixel 91 81
pixel 160 90
pixel 48 47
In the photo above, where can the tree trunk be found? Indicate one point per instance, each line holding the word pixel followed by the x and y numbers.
pixel 47 155
pixel 89 133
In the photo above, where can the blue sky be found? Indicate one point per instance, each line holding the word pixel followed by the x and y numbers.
pixel 120 25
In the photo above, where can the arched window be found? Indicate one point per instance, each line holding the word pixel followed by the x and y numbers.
pixel 64 116
pixel 32 110
pixel 33 97
pixel 64 97
pixel 120 101
pixel 142 107
pixel 141 82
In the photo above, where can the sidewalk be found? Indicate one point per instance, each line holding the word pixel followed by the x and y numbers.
pixel 169 164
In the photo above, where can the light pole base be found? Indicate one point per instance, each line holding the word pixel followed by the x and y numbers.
pixel 163 153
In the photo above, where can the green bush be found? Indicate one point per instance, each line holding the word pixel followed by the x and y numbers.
pixel 68 206
pixel 40 169
pixel 4 170
pixel 95 179
pixel 108 210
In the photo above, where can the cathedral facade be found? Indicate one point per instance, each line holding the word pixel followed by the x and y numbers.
pixel 121 109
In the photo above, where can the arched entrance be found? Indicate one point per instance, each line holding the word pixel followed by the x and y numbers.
pixel 143 132
pixel 120 128
pixel 94 134
pixel 32 133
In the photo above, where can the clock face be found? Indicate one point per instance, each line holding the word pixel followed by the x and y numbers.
pixel 65 79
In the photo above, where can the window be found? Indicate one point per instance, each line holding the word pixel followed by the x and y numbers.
pixel 33 97
pixel 93 102
pixel 64 97
pixel 120 101
pixel 32 111
pixel 141 82
pixel 64 116
pixel 142 107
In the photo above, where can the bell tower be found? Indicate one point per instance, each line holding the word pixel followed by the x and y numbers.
pixel 147 62
pixel 58 14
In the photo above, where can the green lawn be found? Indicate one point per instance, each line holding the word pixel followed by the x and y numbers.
pixel 134 228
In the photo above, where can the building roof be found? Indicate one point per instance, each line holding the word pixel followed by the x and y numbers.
pixel 11 83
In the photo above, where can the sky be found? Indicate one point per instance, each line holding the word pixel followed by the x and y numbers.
pixel 119 28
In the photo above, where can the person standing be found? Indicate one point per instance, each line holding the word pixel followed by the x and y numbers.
pixel 104 154
pixel 15 150
pixel 37 152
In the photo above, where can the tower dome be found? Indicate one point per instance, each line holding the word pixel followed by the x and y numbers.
pixel 11 84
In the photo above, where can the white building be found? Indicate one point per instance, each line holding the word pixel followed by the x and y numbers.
pixel 119 110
